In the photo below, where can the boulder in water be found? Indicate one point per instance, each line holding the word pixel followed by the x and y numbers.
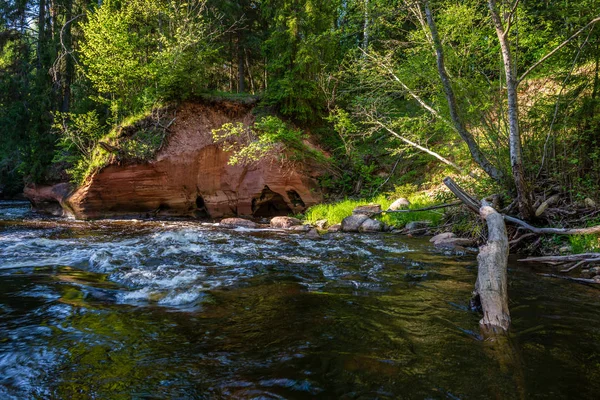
pixel 284 222
pixel 371 225
pixel 442 236
pixel 417 227
pixel 335 228
pixel 238 223
pixel 300 228
pixel 313 234
pixel 353 222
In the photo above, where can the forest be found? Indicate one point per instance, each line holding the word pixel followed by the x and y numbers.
pixel 503 91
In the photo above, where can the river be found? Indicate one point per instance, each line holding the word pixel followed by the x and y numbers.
pixel 121 309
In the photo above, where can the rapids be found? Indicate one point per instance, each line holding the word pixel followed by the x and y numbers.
pixel 181 309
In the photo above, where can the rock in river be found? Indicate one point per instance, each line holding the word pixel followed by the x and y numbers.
pixel 371 225
pixel 353 222
pixel 284 222
pixel 238 223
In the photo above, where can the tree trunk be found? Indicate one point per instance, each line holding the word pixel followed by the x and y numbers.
pixel 491 287
pixel 365 43
pixel 41 32
pixel 467 137
pixel 69 65
pixel 492 283
pixel 516 152
pixel 241 72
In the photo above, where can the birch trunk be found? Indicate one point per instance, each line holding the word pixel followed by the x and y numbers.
pixel 516 151
pixel 466 136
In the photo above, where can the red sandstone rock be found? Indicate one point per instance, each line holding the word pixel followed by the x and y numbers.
pixel 48 199
pixel 190 177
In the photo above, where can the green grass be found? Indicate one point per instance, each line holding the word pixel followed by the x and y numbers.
pixel 334 213
pixel 584 243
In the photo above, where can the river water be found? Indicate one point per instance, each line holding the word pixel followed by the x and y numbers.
pixel 178 310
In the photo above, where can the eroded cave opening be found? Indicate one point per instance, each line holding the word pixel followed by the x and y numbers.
pixel 201 211
pixel 295 199
pixel 269 204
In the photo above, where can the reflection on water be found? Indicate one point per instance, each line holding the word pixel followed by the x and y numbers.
pixel 146 309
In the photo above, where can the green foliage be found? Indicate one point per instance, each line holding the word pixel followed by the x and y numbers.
pixel 78 136
pixel 584 243
pixel 142 51
pixel 85 145
pixel 268 137
pixel 302 43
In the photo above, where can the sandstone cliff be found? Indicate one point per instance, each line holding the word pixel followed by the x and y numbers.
pixel 190 176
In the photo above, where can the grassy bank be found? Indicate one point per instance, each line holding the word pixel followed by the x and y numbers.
pixel 334 213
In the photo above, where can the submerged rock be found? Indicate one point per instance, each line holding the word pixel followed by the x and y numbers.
pixel 353 222
pixel 335 228
pixel 400 204
pixel 300 228
pixel 417 227
pixel 284 222
pixel 238 223
pixel 442 236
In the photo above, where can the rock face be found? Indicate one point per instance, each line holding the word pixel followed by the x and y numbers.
pixel 190 176
pixel 284 222
pixel 49 199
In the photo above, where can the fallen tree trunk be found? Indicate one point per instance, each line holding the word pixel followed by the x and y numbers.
pixel 563 259
pixel 578 280
pixel 492 282
pixel 463 196
pixel 557 231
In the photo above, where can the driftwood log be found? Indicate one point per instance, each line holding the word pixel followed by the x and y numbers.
pixel 491 287
pixel 492 281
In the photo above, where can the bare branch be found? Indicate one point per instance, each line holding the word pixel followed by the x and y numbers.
pixel 424 149
pixel 511 18
pixel 557 48
pixel 556 231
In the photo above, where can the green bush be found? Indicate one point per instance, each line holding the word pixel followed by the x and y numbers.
pixel 269 137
